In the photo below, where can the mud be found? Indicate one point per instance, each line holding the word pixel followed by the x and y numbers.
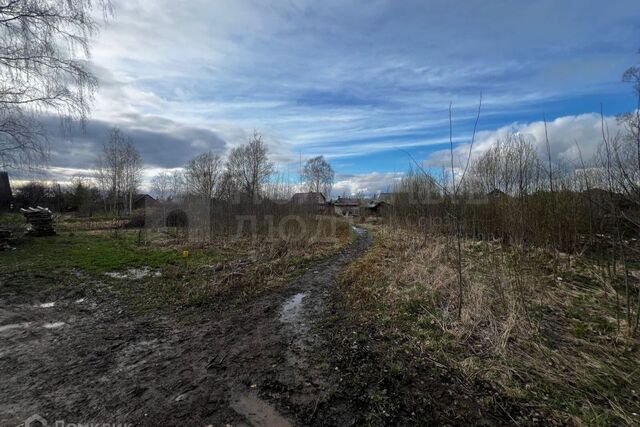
pixel 133 273
pixel 91 360
pixel 258 412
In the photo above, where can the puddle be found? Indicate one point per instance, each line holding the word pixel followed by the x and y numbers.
pixel 54 325
pixel 14 326
pixel 293 315
pixel 258 412
pixel 47 305
pixel 359 231
pixel 292 308
pixel 134 273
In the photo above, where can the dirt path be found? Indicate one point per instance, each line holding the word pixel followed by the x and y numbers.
pixel 91 361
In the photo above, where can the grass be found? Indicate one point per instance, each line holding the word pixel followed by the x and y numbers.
pixel 11 219
pixel 540 333
pixel 95 253
pixel 216 274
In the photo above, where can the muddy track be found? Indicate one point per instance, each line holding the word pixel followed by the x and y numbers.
pixel 91 360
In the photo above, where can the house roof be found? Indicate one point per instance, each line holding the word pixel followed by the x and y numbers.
pixel 309 197
pixel 346 202
pixel 496 193
pixel 375 203
pixel 143 196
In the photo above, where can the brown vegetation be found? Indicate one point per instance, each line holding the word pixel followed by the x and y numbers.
pixel 539 329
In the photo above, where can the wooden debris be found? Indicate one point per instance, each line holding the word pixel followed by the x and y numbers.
pixel 40 220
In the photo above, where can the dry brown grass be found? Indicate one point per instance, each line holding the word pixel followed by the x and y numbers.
pixel 539 328
pixel 218 273
pixel 240 267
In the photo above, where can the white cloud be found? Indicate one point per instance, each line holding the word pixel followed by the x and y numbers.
pixel 344 79
pixel 325 76
pixel 564 133
pixel 368 183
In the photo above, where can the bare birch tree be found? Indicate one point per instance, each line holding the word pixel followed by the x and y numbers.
pixel 318 175
pixel 250 167
pixel 161 185
pixel 44 48
pixel 202 175
pixel 118 171
pixel 132 171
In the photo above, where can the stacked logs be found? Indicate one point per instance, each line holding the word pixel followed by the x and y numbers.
pixel 41 221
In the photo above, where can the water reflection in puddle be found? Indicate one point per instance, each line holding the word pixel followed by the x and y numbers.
pixel 258 412
pixel 359 231
pixel 292 308
pixel 14 326
pixel 53 325
pixel 134 273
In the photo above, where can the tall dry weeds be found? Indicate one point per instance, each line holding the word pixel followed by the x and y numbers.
pixel 537 327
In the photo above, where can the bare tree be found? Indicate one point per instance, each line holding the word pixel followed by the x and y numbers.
pixel 250 167
pixel 228 187
pixel 508 165
pixel 631 121
pixel 132 171
pixel 161 185
pixel 318 175
pixel 202 175
pixel 118 170
pixel 176 189
pixel 109 169
pixel 44 47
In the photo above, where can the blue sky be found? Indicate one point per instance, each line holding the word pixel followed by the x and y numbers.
pixel 354 81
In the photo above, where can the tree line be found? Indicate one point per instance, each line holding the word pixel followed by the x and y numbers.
pixel 247 174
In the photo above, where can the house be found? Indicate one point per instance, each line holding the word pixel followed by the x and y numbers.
pixel 347 207
pixel 496 194
pixel 5 191
pixel 376 207
pixel 312 198
pixel 142 201
pixel 385 197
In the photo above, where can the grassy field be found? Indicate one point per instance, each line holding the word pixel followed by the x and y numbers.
pixel 150 271
pixel 540 336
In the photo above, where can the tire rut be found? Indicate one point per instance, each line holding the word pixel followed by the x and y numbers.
pixel 257 365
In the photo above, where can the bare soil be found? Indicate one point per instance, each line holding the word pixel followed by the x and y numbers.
pixel 91 359
pixel 269 363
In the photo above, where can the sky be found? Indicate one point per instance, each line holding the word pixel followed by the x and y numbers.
pixel 363 83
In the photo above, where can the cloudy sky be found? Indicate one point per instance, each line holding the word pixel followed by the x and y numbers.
pixel 355 81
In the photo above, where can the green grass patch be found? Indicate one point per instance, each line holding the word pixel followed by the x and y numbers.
pixel 95 253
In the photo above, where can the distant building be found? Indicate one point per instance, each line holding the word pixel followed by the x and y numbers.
pixel 496 194
pixel 312 198
pixel 377 207
pixel 385 197
pixel 5 191
pixel 142 201
pixel 346 206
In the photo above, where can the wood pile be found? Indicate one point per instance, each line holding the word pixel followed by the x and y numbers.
pixel 41 221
